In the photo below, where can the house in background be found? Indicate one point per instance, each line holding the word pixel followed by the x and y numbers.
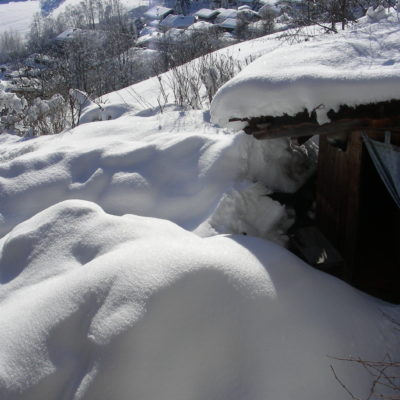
pixel 228 25
pixel 157 13
pixel 206 14
pixel 177 21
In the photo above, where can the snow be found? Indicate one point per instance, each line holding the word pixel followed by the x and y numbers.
pixel 174 166
pixel 357 66
pixel 225 13
pixel 206 13
pixel 17 16
pixel 137 307
pixel 229 23
pixel 128 4
pixel 68 34
pixel 177 21
pixel 129 267
pixel 157 13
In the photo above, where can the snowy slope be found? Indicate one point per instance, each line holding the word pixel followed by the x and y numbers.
pixel 358 66
pixel 95 306
pixel 129 4
pixel 243 53
pixel 17 15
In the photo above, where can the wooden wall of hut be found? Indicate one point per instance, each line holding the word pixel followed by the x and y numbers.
pixel 359 217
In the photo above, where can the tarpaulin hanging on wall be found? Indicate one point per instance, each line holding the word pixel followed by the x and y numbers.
pixel 386 158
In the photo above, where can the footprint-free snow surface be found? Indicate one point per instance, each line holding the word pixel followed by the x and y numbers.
pixel 95 306
pixel 174 166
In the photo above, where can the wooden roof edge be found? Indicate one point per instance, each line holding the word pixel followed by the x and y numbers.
pixel 344 126
pixel 367 117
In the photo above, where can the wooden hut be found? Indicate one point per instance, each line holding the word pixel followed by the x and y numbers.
pixel 357 226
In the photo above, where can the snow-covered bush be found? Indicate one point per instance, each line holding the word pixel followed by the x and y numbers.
pixel 11 111
pixel 41 117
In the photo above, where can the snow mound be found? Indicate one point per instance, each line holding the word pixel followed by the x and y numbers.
pixel 174 166
pixel 95 306
pixel 359 66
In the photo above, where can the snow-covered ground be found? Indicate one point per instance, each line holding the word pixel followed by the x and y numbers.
pixel 17 15
pixel 129 4
pixel 95 306
pixel 116 283
pixel 173 165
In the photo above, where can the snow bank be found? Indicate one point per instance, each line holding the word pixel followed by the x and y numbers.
pixel 359 66
pixel 95 306
pixel 174 165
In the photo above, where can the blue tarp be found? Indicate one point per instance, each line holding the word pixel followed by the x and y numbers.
pixel 386 158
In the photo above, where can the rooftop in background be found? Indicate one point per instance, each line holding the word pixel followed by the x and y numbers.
pixel 229 23
pixel 68 34
pixel 206 13
pixel 157 12
pixel 177 21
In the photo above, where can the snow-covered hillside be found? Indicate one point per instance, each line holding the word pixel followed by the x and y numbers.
pixel 130 266
pixel 17 15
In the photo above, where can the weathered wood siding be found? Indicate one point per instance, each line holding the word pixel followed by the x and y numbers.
pixel 356 213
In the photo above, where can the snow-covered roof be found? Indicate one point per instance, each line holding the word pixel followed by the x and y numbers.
pixel 206 13
pixel 177 21
pixel 201 26
pixel 229 23
pixel 225 13
pixel 248 15
pixel 358 66
pixel 157 12
pixel 68 34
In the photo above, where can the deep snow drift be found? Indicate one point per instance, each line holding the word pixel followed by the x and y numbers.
pixel 96 306
pixel 358 66
pixel 174 165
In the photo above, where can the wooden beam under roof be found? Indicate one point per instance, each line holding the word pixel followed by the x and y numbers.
pixel 369 117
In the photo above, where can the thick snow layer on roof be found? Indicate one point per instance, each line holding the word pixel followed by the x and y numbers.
pixel 68 34
pixel 157 12
pixel 177 21
pixel 229 23
pixel 225 13
pixel 95 306
pixel 360 65
pixel 202 26
pixel 206 13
